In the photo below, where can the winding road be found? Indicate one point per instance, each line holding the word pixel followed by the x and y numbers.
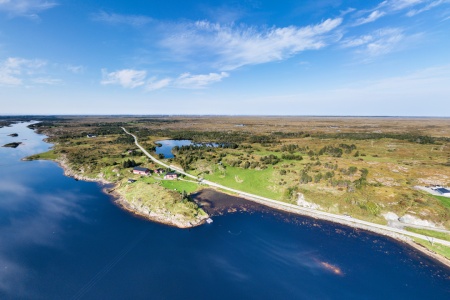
pixel 346 220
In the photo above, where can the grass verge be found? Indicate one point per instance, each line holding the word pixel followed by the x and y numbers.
pixel 439 249
pixel 432 233
pixel 444 200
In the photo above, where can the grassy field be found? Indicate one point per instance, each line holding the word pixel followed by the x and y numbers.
pixel 153 197
pixel 180 186
pixel 432 233
pixel 259 182
pixel 444 200
pixel 439 249
pixel 49 155
pixel 387 158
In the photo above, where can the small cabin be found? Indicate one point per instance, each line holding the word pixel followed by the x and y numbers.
pixel 91 135
pixel 171 176
pixel 141 171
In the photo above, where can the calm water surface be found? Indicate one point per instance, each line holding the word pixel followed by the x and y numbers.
pixel 65 239
pixel 167 145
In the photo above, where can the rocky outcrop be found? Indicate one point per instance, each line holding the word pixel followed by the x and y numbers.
pixel 409 219
pixel 160 216
pixel 303 203
pixel 69 172
pixel 400 222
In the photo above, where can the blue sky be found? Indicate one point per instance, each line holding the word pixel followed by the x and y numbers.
pixel 321 57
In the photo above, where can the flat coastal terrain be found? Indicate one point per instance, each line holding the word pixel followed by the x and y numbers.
pixel 362 168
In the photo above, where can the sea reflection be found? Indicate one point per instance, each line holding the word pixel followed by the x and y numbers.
pixel 31 143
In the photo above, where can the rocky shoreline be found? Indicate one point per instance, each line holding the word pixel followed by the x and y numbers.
pixel 119 200
pixel 163 218
pixel 154 216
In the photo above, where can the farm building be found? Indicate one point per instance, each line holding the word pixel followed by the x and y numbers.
pixel 141 171
pixel 159 171
pixel 171 176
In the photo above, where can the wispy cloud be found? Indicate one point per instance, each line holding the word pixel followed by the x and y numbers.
pixel 225 13
pixel 427 7
pixel 357 41
pixel 395 5
pixel 13 70
pixel 375 15
pixel 378 43
pixel 25 8
pixel 233 46
pixel 155 84
pixel 190 81
pixel 120 19
pixel 129 78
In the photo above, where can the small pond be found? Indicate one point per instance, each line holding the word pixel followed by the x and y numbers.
pixel 167 145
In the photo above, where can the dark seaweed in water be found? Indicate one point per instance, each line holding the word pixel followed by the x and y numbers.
pixel 216 203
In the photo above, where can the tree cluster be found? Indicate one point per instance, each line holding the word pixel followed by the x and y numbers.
pixel 130 163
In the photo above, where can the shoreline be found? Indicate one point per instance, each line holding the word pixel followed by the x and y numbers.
pixel 396 236
pixel 125 205
pixel 118 200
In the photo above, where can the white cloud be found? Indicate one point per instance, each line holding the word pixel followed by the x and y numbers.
pixel 380 42
pixel 395 5
pixel 188 80
pixel 25 8
pixel 375 15
pixel 154 84
pixel 117 19
pixel 232 46
pixel 14 70
pixel 358 41
pixel 128 78
pixel 427 7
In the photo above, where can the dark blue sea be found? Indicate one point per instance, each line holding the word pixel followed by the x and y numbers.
pixel 66 239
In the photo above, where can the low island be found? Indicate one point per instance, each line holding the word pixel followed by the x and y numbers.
pixel 12 145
